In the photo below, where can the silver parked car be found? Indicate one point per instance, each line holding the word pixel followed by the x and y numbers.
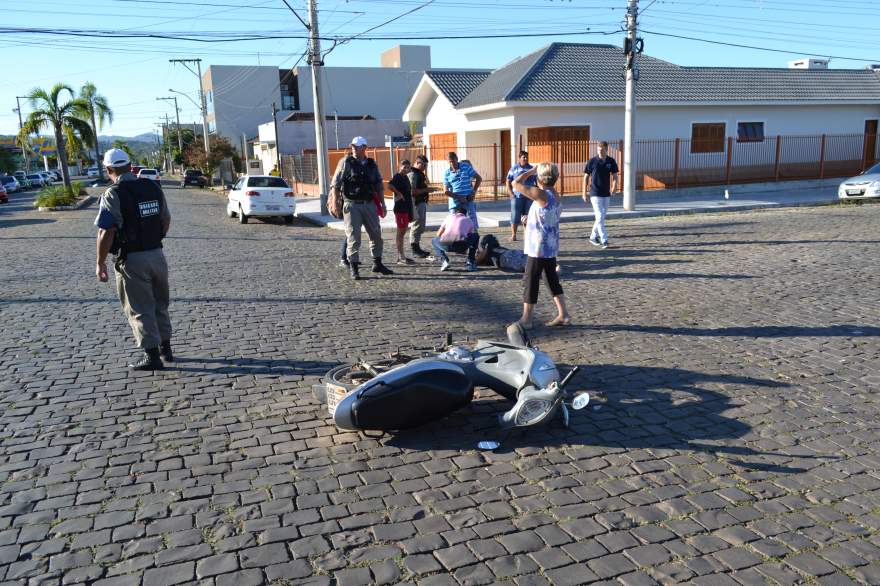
pixel 10 183
pixel 865 185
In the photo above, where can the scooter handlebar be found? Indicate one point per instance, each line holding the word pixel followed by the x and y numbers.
pixel 568 377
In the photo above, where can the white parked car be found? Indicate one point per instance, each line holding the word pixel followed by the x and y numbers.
pixel 48 177
pixel 148 174
pixel 261 195
pixel 865 185
pixel 92 172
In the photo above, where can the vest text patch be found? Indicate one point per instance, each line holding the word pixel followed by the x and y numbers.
pixel 148 208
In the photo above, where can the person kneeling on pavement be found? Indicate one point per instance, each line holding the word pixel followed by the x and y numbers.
pixel 456 234
pixel 132 221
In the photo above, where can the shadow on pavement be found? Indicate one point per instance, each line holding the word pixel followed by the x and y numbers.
pixel 748 331
pixel 646 408
pixel 249 366
pixel 12 223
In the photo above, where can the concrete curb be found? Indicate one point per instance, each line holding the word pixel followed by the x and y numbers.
pixel 84 202
pixel 336 224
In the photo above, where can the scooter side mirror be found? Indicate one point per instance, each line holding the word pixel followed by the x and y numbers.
pixel 580 401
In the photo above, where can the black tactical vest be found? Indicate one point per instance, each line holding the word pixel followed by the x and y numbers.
pixel 141 202
pixel 357 180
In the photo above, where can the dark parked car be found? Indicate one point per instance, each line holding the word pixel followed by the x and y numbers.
pixel 194 177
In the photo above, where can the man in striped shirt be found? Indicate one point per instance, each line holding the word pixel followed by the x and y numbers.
pixel 462 182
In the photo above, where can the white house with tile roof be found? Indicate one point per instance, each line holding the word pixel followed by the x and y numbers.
pixel 575 92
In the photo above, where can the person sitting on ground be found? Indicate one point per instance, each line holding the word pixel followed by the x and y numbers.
pixel 403 207
pixel 492 254
pixel 541 242
pixel 456 234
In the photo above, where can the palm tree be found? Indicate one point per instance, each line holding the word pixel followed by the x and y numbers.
pixel 62 117
pixel 97 109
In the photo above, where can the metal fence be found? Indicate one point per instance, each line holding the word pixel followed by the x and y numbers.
pixel 661 163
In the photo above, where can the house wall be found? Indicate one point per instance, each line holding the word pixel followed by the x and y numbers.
pixel 670 122
pixel 381 92
pixel 239 99
pixel 298 136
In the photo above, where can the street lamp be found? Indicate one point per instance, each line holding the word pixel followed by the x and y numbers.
pixel 177 113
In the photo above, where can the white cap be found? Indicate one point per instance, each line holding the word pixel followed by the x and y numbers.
pixel 116 158
pixel 359 141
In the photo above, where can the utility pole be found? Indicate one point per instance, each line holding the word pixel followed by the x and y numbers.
pixel 177 114
pixel 168 144
pixel 632 47
pixel 316 63
pixel 277 142
pixel 24 156
pixel 336 119
pixel 198 74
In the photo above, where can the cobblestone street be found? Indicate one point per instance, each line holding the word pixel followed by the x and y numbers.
pixel 734 438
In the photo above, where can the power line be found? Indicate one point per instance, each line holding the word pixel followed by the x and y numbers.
pixel 767 49
pixel 104 33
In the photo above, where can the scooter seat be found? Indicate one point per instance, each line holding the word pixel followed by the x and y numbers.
pixel 417 393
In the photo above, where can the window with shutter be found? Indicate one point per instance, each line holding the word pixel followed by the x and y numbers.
pixel 707 137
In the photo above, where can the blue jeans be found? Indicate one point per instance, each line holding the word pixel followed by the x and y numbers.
pixel 468 245
pixel 471 207
pixel 600 208
pixel 519 207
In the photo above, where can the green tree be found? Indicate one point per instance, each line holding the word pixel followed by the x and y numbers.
pixel 8 161
pixel 122 145
pixel 62 117
pixel 220 149
pixel 96 110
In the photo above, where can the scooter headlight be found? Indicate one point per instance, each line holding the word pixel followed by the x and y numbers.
pixel 532 411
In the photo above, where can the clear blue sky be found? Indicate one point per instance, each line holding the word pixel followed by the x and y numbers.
pixel 132 73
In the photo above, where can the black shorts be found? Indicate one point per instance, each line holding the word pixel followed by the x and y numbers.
pixel 532 277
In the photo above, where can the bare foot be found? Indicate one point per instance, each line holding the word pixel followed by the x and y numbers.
pixel 560 320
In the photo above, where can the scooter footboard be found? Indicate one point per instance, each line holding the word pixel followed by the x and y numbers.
pixel 405 397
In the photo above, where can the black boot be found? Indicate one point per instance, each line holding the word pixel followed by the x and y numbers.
pixel 418 252
pixel 149 361
pixel 353 271
pixel 378 267
pixel 165 351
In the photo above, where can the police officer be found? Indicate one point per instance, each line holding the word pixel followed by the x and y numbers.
pixel 132 221
pixel 361 183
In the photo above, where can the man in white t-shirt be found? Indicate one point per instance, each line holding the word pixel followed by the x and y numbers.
pixel 456 234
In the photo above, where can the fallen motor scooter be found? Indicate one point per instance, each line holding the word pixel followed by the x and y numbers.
pixel 405 391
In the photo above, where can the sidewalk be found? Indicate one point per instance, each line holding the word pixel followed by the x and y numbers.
pixel 496 214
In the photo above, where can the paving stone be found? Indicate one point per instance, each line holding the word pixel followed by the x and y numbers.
pixel 218 564
pixel 570 575
pixel 174 574
pixel 474 575
pixel 809 564
pixel 113 475
pixel 250 577
pixel 420 564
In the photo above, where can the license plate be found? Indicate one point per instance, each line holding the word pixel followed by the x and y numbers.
pixel 335 395
pixel 855 191
pixel 273 208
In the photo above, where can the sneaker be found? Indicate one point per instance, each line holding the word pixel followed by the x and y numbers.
pixel 405 261
pixel 470 267
pixel 445 264
pixel 605 244
pixel 595 241
pixel 343 263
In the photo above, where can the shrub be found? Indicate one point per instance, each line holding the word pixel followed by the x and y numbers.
pixel 56 195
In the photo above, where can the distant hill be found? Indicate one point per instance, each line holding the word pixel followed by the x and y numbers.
pixel 145 137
